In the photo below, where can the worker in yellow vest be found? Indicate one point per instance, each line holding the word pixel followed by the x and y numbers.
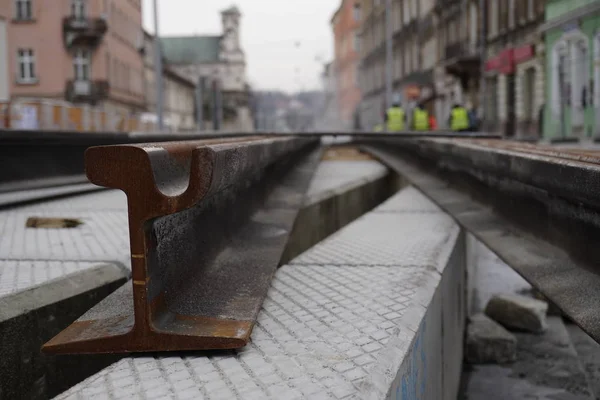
pixel 420 120
pixel 459 119
pixel 395 118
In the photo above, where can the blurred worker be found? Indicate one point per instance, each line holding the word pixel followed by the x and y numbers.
pixel 395 117
pixel 420 119
pixel 459 118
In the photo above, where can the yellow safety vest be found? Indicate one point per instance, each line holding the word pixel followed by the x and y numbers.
pixel 395 122
pixel 459 119
pixel 378 128
pixel 421 120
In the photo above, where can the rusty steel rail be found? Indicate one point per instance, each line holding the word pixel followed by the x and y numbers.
pixel 536 207
pixel 208 223
pixel 32 160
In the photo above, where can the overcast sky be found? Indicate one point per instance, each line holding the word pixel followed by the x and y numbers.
pixel 286 41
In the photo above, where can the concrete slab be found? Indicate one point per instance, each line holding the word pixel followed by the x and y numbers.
pixel 103 236
pixel 333 177
pixel 409 200
pixel 38 262
pixel 361 328
pixel 22 196
pixel 386 239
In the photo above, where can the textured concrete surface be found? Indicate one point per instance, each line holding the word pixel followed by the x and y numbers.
pixel 589 356
pixel 361 185
pixel 333 177
pixel 30 317
pixel 518 312
pixel 487 342
pixel 547 366
pixel 330 329
pixel 22 196
pixel 37 263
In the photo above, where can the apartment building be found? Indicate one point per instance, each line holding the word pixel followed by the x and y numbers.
pixel 572 40
pixel 458 71
pixel 82 51
pixel 514 67
pixel 178 95
pixel 4 81
pixel 220 60
pixel 345 24
pixel 414 55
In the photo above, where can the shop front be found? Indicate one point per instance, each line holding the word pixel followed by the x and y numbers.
pixel 514 92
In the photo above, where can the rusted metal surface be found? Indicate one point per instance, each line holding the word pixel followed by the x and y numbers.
pixel 208 223
pixel 537 208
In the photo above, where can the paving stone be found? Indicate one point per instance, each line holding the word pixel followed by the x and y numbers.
pixel 518 312
pixel 488 342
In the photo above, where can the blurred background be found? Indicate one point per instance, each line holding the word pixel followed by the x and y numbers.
pixel 527 69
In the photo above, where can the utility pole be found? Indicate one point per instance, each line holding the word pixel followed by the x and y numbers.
pixel 482 56
pixel 158 70
pixel 200 102
pixel 388 53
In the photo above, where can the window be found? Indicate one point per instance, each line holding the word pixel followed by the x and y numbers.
pixel 78 9
pixel 24 10
pixel 81 64
pixel 356 43
pixel 493 18
pixel 530 9
pixel 356 10
pixel 596 89
pixel 511 14
pixel 405 12
pixel 503 16
pixel 528 90
pixel 26 63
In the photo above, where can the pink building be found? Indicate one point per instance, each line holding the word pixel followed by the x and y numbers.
pixel 83 51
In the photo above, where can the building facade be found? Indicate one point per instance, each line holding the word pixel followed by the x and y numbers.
pixel 329 118
pixel 345 24
pixel 514 68
pixel 82 51
pixel 572 65
pixel 4 63
pixel 415 56
pixel 178 96
pixel 219 60
pixel 458 71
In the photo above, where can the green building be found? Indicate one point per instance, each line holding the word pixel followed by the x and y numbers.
pixel 572 47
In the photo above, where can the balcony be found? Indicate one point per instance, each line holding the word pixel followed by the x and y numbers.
pixel 462 60
pixel 86 32
pixel 82 91
pixel 444 4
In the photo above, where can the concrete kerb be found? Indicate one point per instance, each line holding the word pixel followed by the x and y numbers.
pixel 335 208
pixel 381 330
pixel 30 317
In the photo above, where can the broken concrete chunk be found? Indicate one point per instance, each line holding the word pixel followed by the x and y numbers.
pixel 488 342
pixel 518 312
